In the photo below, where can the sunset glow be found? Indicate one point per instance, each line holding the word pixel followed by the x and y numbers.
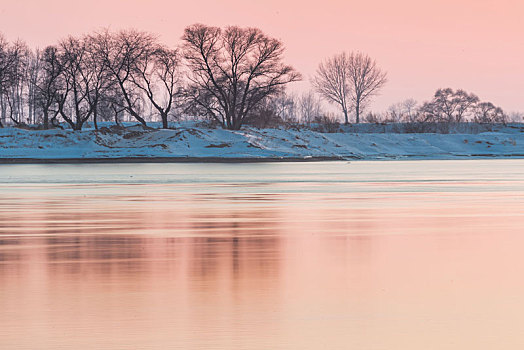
pixel 423 45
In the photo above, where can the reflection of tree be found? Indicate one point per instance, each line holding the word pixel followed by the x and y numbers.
pixel 8 254
pixel 247 246
pixel 211 246
pixel 161 240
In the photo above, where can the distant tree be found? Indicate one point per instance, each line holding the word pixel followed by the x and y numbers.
pixel 404 111
pixel 285 105
pixel 516 117
pixel 157 76
pixel 366 79
pixel 33 71
pixel 449 106
pixel 47 86
pixel 275 110
pixel 374 118
pixel 5 67
pixel 349 80
pixel 264 115
pixel 12 74
pixel 327 122
pixel 332 82
pixel 233 70
pixel 100 78
pixel 309 107
pixel 82 80
pixel 13 79
pixel 19 70
pixel 75 103
pixel 122 53
pixel 112 104
pixel 488 113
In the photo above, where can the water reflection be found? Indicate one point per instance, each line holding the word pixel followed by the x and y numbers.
pixel 262 266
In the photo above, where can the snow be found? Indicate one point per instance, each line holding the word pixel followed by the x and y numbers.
pixel 191 140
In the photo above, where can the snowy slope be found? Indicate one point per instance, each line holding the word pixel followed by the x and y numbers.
pixel 186 140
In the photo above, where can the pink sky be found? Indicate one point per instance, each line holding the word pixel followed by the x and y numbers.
pixel 477 45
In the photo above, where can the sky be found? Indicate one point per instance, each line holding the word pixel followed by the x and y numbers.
pixel 476 45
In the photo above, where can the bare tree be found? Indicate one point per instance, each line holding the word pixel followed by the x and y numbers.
pixel 33 72
pixel 404 111
pixel 5 66
pixel 112 103
pixel 349 80
pixel 48 82
pixel 19 69
pixel 76 100
pixel 332 82
pixel 453 106
pixel 233 70
pixel 516 117
pixel 449 106
pixel 309 107
pixel 157 76
pixel 100 78
pixel 264 115
pixel 122 53
pixel 366 80
pixel 13 78
pixel 275 110
pixel 9 78
pixel 286 106
pixel 488 113
pixel 374 118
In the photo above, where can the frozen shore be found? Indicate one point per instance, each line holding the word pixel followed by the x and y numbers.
pixel 189 142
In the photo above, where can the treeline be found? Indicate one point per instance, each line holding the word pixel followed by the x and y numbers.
pixel 88 77
pixel 447 108
pixel 223 74
pixel 230 75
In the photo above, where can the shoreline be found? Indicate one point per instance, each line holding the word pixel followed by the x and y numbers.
pixel 190 143
pixel 167 160
pixel 6 161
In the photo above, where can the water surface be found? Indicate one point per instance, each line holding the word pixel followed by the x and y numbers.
pixel 332 255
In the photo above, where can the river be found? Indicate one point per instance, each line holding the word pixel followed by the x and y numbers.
pixel 320 255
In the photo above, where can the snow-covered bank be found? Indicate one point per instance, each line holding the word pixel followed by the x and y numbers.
pixel 187 141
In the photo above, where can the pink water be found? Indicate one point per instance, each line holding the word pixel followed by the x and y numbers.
pixel 378 255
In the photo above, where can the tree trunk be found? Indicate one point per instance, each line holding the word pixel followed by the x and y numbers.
pixel 346 119
pixel 70 121
pixel 46 118
pixel 164 120
pixel 129 108
pixel 137 117
pixel 71 124
pixel 95 117
pixel 55 123
pixel 237 124
pixel 357 112
pixel 78 125
pixel 229 124
pixel 2 108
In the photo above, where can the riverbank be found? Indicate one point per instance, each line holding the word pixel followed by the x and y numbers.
pixel 162 160
pixel 187 142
